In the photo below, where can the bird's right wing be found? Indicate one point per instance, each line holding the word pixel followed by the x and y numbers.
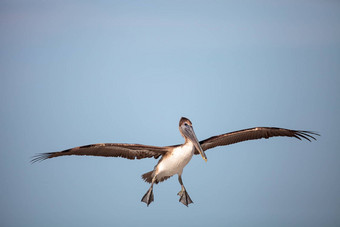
pixel 252 134
pixel 129 151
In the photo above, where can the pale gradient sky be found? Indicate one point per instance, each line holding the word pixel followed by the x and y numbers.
pixel 80 72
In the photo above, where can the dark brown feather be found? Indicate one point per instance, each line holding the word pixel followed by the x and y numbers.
pixel 147 177
pixel 252 134
pixel 129 151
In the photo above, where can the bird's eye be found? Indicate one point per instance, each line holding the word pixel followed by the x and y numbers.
pixel 185 124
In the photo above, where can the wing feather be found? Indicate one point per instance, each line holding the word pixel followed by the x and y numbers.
pixel 253 134
pixel 129 151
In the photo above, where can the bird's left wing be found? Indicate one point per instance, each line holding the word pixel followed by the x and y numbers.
pixel 252 134
pixel 129 151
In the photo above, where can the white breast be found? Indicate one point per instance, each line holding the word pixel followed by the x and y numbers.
pixel 174 163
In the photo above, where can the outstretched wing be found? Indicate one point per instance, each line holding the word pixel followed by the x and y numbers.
pixel 129 151
pixel 253 134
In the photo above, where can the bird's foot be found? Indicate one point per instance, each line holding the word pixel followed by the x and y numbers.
pixel 184 197
pixel 148 197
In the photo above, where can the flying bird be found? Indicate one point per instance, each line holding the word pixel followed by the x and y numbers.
pixel 175 158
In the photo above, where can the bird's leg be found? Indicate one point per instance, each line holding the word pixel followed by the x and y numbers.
pixel 184 196
pixel 148 197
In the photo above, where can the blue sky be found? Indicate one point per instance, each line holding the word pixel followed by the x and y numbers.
pixel 80 72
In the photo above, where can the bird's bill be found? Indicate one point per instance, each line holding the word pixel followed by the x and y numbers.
pixel 189 132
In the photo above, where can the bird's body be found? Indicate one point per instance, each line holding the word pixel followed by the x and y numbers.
pixel 174 162
pixel 175 158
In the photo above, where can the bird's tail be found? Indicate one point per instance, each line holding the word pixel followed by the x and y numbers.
pixel 147 177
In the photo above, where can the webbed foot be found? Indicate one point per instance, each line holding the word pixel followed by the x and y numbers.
pixel 148 197
pixel 184 197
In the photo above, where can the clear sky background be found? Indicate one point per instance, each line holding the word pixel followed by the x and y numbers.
pixel 80 72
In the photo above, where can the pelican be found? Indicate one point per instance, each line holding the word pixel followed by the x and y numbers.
pixel 175 158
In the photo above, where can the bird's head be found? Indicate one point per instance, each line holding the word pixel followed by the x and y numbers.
pixel 187 131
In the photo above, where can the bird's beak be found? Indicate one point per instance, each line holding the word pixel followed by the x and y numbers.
pixel 188 131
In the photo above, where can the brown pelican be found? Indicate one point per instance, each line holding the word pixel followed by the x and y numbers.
pixel 175 158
